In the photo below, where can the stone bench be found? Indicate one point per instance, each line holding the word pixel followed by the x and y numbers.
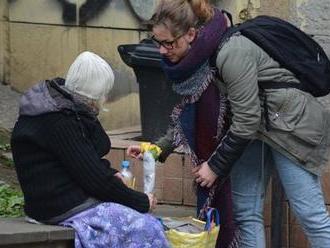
pixel 17 233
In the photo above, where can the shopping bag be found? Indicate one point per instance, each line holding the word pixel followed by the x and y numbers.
pixel 198 234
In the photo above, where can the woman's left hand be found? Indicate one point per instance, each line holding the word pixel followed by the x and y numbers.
pixel 204 175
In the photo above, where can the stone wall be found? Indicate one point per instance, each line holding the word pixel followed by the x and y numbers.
pixel 39 41
pixel 40 38
pixel 3 38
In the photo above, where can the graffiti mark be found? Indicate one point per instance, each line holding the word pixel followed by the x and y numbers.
pixel 88 9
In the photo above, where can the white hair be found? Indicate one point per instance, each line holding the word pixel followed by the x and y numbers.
pixel 90 76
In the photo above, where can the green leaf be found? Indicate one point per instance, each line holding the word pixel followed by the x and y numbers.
pixel 11 202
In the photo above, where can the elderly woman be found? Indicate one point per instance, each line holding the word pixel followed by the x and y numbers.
pixel 58 146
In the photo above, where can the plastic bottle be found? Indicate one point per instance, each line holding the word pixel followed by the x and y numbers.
pixel 127 174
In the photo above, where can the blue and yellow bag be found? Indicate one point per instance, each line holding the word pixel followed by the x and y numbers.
pixel 204 239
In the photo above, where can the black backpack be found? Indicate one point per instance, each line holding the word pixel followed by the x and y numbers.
pixel 292 49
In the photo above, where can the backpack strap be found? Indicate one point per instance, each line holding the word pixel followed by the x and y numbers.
pixel 226 35
pixel 230 17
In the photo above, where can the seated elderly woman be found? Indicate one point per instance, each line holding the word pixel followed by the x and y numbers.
pixel 58 146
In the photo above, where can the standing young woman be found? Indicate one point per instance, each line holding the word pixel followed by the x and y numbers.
pixel 188 33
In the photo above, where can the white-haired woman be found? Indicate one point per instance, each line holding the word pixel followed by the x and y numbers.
pixel 58 146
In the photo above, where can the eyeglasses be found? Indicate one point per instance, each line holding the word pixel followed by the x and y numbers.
pixel 167 44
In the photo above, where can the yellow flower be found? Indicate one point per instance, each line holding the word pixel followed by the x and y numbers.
pixel 152 148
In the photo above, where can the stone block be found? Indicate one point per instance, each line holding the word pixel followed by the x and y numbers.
pixel 56 244
pixel 189 196
pixel 16 231
pixel 3 10
pixel 52 49
pixel 297 237
pixel 4 40
pixel 174 211
pixel 117 14
pixel 159 195
pixel 187 167
pixel 279 8
pixel 172 190
pixel 123 102
pixel 173 167
pixel 125 109
pixel 42 52
pixel 314 16
pixel 159 179
pixel 326 185
pixel 3 49
pixel 35 11
pixel 116 156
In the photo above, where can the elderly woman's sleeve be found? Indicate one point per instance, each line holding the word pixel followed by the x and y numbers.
pixel 79 157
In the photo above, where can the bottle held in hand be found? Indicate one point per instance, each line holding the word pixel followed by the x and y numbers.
pixel 129 179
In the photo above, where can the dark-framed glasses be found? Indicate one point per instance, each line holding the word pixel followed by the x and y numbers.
pixel 164 43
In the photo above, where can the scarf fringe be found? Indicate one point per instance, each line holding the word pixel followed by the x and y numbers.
pixel 223 111
pixel 235 243
pixel 179 137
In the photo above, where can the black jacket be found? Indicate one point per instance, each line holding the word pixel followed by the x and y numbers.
pixel 58 147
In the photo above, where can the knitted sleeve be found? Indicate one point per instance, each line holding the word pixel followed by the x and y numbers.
pixel 78 156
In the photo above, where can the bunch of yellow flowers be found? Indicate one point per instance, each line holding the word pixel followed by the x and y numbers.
pixel 152 148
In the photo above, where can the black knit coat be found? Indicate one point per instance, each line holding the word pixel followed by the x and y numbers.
pixel 58 155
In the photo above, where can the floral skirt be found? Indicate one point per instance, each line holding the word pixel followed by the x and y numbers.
pixel 114 225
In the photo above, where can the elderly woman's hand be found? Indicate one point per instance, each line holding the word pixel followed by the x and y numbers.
pixel 120 176
pixel 152 202
pixel 134 151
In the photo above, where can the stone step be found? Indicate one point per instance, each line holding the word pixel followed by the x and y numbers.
pixel 17 233
pixel 164 210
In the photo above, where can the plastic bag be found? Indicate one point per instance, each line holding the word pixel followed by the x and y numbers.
pixel 206 238
pixel 149 171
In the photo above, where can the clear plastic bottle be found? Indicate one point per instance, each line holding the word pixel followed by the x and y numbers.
pixel 127 174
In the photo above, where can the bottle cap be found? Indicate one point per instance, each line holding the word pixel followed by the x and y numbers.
pixel 125 164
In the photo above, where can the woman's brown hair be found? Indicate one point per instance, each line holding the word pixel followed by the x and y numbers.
pixel 180 15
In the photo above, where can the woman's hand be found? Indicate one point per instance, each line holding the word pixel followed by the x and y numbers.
pixel 204 175
pixel 152 202
pixel 134 151
pixel 120 176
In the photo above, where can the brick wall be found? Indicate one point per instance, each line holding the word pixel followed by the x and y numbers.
pixel 173 178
